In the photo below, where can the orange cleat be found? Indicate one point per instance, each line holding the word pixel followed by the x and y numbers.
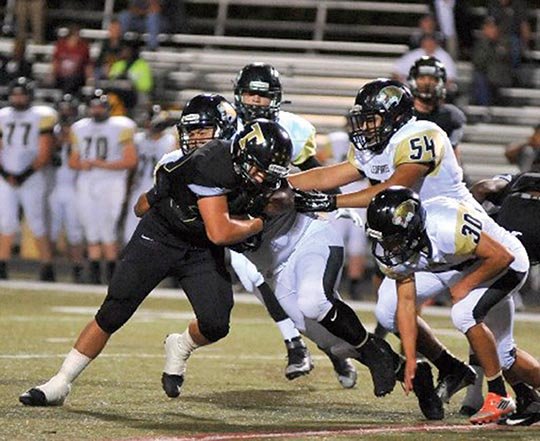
pixel 495 407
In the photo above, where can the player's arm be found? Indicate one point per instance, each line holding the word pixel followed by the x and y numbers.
pixel 407 326
pixel 43 157
pixel 407 175
pixel 494 259
pixel 127 162
pixel 325 178
pixel 220 227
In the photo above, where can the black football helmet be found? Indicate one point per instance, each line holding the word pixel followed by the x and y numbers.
pixel 99 105
pixel 432 67
pixel 396 221
pixel 381 108
pixel 68 108
pixel 206 111
pixel 258 79
pixel 265 145
pixel 21 93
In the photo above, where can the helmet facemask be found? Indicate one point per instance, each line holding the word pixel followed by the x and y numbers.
pixel 369 131
pixel 189 140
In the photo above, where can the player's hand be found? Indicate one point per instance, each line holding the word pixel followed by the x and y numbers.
pixel 310 201
pixel 349 213
pixel 86 165
pixel 410 372
pixel 13 181
pixel 99 163
pixel 252 243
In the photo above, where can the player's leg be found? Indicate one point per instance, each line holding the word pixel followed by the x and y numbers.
pixel 212 303
pixel 298 357
pixel 111 208
pixel 143 265
pixel 9 224
pixel 32 196
pixel 74 233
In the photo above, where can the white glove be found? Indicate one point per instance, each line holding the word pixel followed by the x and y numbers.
pixel 349 213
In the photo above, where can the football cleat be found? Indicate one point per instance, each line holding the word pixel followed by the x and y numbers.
pixel 462 375
pixel 428 400
pixel 468 411
pixel 298 359
pixel 495 407
pixel 526 417
pixel 172 384
pixel 380 359
pixel 344 369
pixel 52 393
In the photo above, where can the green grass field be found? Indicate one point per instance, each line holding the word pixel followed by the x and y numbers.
pixel 234 389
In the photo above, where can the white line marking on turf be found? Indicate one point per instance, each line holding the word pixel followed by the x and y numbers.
pixel 423 428
pixel 242 297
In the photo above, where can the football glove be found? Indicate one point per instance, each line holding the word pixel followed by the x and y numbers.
pixel 252 243
pixel 310 201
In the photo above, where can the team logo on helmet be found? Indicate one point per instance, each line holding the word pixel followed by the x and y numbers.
pixel 390 96
pixel 227 112
pixel 404 213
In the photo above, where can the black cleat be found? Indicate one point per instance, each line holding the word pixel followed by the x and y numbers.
pixel 298 359
pixel 379 358
pixel 344 369
pixel 428 400
pixel 462 375
pixel 526 417
pixel 172 384
pixel 33 397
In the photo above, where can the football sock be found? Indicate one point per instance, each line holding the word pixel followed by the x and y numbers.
pixel 183 346
pixel 111 265
pixel 95 271
pixel 496 384
pixel 287 329
pixel 342 321
pixel 445 362
pixel 73 365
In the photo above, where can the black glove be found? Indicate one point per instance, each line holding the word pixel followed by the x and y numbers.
pixel 252 243
pixel 309 201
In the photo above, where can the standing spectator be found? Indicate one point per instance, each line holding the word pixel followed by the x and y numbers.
pixel 63 199
pixel 110 50
pixel 103 152
pixel 511 16
pixel 429 45
pixel 143 16
pixel 71 61
pixel 16 65
pixel 492 65
pixel 33 11
pixel 26 143
pixel 526 154
pixel 137 71
pixel 426 25
pixel 453 21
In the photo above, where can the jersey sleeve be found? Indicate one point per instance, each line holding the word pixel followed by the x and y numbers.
pixel 308 150
pixel 459 232
pixel 126 135
pixel 48 120
pixel 351 158
pixel 74 139
pixel 423 147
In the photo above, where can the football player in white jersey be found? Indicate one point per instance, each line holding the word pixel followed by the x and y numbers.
pixel 390 147
pixel 103 151
pixel 26 146
pixel 446 244
pixel 151 145
pixel 258 94
pixel 63 199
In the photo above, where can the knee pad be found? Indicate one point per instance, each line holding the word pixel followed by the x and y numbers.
pixel 214 331
pixel 113 314
pixel 386 317
pixel 313 307
pixel 462 316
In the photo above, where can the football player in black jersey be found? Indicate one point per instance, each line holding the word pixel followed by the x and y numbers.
pixel 427 81
pixel 183 234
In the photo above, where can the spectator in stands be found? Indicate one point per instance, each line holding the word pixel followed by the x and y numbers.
pixel 143 16
pixel 30 11
pixel 453 20
pixel 492 65
pixel 426 25
pixel 526 154
pixel 71 61
pixel 429 45
pixel 110 50
pixel 511 17
pixel 16 65
pixel 137 71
